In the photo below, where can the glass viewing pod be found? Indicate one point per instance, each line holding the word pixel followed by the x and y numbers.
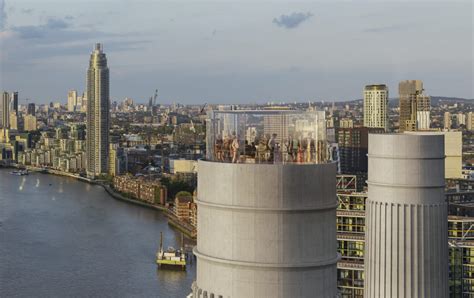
pixel 266 136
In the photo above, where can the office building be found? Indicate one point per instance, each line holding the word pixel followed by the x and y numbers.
pixel 376 106
pixel 72 100
pixel 412 101
pixel 274 232
pixel 353 148
pixel 31 109
pixel 97 138
pixel 5 111
pixel 14 102
pixel 406 217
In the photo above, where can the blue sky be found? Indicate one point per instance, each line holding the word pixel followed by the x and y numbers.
pixel 237 51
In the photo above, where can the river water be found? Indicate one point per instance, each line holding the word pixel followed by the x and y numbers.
pixel 63 238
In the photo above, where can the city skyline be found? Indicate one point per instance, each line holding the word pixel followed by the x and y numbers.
pixel 182 52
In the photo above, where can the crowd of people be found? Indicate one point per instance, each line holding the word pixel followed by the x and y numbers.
pixel 269 149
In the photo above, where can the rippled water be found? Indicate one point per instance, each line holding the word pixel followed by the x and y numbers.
pixel 63 238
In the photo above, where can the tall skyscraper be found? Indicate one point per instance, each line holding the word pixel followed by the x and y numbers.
pixel 274 232
pixel 5 110
pixel 72 100
pixel 14 102
pixel 406 254
pixel 376 106
pixel 412 101
pixel 31 109
pixel 97 141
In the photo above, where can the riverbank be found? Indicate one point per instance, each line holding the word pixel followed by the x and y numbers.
pixel 172 220
pixel 54 229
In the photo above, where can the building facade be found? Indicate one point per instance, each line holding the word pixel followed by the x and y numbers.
pixel 376 106
pixel 5 110
pixel 412 101
pixel 98 122
pixel 353 148
pixel 72 100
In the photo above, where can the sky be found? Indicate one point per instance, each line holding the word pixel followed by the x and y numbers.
pixel 237 51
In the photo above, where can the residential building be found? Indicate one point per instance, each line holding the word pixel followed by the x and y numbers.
pixel 469 121
pixel 98 122
pixel 448 121
pixel 376 106
pixel 72 100
pixel 182 207
pixel 30 123
pixel 412 101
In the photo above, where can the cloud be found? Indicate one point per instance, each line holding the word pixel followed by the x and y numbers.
pixel 3 15
pixel 293 20
pixel 27 10
pixel 51 27
pixel 56 23
pixel 385 29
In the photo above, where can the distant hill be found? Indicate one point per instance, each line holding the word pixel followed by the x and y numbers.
pixel 436 100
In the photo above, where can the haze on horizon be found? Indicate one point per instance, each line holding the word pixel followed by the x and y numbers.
pixel 237 51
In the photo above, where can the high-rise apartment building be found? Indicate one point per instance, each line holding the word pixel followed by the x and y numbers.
pixel 406 219
pixel 376 106
pixel 469 121
pixel 98 121
pixel 460 119
pixel 447 120
pixel 274 232
pixel 72 100
pixel 5 110
pixel 412 101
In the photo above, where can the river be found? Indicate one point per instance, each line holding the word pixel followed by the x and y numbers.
pixel 60 237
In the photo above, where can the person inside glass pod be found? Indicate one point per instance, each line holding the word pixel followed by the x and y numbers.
pixel 272 146
pixel 234 147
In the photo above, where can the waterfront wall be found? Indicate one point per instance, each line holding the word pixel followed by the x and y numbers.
pixel 266 230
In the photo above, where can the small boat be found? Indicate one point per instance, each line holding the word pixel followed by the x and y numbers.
pixel 171 257
pixel 20 173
